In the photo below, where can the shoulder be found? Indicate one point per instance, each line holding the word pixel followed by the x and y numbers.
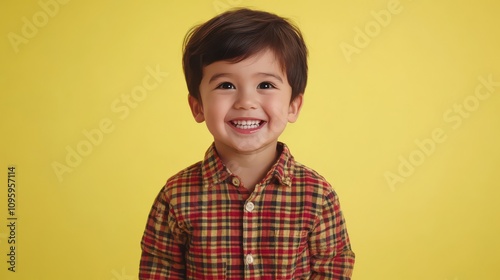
pixel 182 181
pixel 311 181
pixel 309 175
pixel 182 177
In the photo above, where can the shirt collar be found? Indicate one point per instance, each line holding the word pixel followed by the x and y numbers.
pixel 214 171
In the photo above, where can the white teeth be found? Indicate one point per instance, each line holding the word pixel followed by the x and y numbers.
pixel 246 124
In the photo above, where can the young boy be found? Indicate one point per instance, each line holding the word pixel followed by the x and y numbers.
pixel 248 210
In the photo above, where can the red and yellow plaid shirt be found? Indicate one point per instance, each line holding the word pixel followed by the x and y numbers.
pixel 204 225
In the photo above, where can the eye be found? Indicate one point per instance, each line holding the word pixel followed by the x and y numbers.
pixel 226 85
pixel 266 85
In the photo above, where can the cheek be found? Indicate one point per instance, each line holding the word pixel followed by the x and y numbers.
pixel 279 115
pixel 214 122
pixel 218 106
pixel 214 113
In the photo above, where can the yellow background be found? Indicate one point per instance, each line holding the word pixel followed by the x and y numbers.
pixel 363 115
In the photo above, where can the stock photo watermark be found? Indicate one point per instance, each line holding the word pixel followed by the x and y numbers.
pixel 31 26
pixel 371 29
pixel 122 275
pixel 11 221
pixel 453 118
pixel 121 107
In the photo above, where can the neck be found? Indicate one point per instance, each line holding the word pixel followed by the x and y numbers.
pixel 250 167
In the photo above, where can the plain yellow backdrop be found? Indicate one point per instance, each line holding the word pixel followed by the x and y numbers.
pixel 401 115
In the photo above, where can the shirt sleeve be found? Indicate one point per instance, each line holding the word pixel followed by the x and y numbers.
pixel 329 245
pixel 162 244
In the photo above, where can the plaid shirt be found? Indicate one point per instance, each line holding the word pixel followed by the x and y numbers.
pixel 205 225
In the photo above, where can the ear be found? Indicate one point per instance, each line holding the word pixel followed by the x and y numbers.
pixel 196 109
pixel 294 108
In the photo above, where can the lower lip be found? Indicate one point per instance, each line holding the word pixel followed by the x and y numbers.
pixel 247 131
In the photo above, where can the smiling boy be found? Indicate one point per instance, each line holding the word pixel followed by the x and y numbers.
pixel 248 210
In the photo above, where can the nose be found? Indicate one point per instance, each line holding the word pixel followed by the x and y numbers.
pixel 246 99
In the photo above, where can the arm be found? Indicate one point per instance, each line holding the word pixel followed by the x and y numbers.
pixel 331 254
pixel 162 244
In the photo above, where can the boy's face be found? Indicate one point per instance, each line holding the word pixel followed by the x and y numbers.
pixel 246 105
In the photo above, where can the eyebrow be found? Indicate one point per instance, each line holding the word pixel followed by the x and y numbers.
pixel 219 75
pixel 277 77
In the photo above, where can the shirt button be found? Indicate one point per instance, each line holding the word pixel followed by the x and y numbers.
pixel 249 207
pixel 249 259
pixel 236 181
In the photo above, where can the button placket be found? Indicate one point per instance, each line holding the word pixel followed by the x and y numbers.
pixel 249 226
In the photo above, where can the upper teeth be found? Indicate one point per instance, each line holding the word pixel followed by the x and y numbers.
pixel 246 124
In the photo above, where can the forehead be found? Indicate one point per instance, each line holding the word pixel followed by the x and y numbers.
pixel 264 60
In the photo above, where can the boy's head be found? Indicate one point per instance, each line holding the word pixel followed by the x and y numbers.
pixel 238 34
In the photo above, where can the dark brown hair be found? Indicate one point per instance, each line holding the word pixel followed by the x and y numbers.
pixel 238 34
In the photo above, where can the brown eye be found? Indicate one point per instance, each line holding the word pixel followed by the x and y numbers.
pixel 226 85
pixel 266 85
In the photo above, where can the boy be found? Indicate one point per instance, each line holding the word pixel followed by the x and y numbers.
pixel 248 210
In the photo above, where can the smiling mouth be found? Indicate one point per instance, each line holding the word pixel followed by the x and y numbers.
pixel 247 124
